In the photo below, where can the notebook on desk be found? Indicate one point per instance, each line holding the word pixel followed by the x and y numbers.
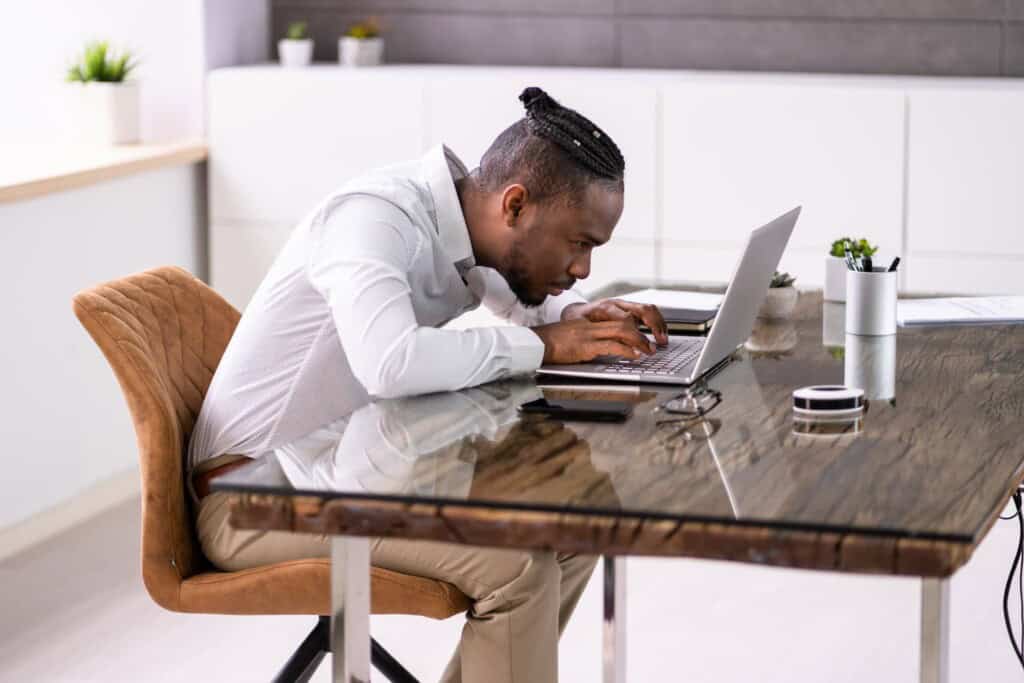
pixel 684 312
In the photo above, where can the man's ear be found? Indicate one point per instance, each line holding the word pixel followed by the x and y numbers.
pixel 513 201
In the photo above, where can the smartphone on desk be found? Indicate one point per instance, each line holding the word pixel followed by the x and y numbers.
pixel 579 410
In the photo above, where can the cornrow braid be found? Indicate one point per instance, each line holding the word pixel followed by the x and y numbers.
pixel 575 134
pixel 553 151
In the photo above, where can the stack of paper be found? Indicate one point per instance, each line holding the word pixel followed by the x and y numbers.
pixel 960 311
pixel 667 298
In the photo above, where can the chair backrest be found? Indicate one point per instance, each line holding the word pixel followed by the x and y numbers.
pixel 163 331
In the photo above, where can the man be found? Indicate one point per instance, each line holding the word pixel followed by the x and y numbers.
pixel 349 311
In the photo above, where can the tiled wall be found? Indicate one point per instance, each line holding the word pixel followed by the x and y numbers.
pixel 932 37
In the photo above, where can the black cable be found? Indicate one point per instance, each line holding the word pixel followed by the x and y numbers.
pixel 1009 582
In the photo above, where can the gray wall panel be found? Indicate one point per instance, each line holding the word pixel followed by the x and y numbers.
pixel 469 38
pixel 863 9
pixel 785 45
pixel 922 37
pixel 1014 55
pixel 518 7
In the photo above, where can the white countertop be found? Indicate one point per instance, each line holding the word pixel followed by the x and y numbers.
pixel 32 170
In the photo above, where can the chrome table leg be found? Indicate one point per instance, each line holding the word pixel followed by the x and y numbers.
pixel 350 609
pixel 614 619
pixel 934 630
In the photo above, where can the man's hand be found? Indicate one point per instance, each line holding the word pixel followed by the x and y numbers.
pixel 617 309
pixel 580 340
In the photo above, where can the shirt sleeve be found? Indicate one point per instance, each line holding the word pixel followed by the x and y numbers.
pixel 362 251
pixel 496 295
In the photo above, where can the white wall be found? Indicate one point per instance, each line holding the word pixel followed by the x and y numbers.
pixel 66 426
pixel 176 42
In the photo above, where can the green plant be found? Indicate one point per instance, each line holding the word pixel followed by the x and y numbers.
pixel 296 30
pixel 858 248
pixel 98 63
pixel 364 29
pixel 781 280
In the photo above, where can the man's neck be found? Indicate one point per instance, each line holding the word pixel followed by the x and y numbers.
pixel 473 201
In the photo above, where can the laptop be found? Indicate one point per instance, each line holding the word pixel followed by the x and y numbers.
pixel 687 360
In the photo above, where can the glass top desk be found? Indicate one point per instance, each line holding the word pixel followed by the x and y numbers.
pixel 910 489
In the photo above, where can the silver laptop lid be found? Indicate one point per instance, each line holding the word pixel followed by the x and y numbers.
pixel 747 289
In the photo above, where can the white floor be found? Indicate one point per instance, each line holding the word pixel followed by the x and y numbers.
pixel 74 609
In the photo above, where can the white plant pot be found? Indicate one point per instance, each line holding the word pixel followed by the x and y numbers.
pixel 778 303
pixel 835 279
pixel 294 53
pixel 106 113
pixel 360 51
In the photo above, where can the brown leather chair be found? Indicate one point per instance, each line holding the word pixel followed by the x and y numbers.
pixel 163 331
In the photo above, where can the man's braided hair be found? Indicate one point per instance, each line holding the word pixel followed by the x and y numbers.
pixel 554 151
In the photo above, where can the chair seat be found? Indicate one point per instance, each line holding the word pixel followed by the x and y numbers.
pixel 303 587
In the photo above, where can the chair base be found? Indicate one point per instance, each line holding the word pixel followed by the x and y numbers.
pixel 304 661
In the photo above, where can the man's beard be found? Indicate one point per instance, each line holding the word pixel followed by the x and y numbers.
pixel 514 270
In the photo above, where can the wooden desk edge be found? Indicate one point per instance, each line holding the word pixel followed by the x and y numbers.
pixel 580 533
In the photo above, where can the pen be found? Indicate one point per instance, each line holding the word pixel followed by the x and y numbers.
pixel 849 261
pixel 895 262
pixel 866 264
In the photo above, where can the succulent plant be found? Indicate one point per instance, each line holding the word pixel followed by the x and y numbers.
pixel 781 280
pixel 296 30
pixel 364 29
pixel 858 248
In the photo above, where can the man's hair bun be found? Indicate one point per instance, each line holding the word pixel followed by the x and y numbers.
pixel 536 100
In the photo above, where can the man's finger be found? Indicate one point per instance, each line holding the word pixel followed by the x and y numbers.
pixel 650 316
pixel 614 348
pixel 625 332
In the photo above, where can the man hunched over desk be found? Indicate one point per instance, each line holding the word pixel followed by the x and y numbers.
pixel 350 309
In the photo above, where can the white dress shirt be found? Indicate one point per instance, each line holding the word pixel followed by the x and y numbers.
pixel 350 309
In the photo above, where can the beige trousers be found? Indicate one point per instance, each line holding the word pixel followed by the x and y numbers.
pixel 522 600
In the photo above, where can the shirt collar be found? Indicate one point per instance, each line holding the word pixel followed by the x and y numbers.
pixel 441 169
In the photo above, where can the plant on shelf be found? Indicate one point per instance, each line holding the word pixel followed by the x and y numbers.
pixel 781 280
pixel 100 65
pixel 364 29
pixel 296 48
pixel 361 45
pixel 105 104
pixel 858 248
pixel 297 30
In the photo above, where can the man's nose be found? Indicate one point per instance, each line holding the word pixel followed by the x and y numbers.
pixel 580 267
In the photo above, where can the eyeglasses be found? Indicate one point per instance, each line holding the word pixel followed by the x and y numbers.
pixel 692 404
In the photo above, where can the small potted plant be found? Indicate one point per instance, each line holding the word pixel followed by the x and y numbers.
pixel 835 265
pixel 361 45
pixel 781 298
pixel 107 105
pixel 296 48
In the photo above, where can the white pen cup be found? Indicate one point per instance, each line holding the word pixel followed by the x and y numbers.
pixel 871 302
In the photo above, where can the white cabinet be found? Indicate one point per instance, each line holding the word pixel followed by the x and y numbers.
pixel 737 155
pixel 929 169
pixel 965 215
pixel 282 139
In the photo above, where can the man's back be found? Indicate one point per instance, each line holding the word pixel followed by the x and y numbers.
pixel 386 248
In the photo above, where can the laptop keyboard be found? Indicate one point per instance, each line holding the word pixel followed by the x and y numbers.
pixel 667 360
